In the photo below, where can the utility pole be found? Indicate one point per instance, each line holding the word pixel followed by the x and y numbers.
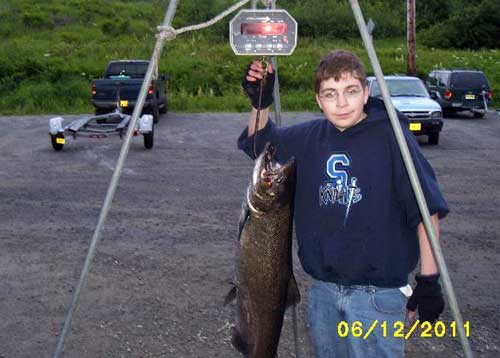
pixel 411 38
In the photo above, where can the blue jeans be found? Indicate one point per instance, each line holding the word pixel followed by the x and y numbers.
pixel 330 303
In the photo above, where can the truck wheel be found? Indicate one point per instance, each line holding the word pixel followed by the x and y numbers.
pixel 149 139
pixel 434 138
pixel 156 114
pixel 478 114
pixel 448 112
pixel 54 140
pixel 164 108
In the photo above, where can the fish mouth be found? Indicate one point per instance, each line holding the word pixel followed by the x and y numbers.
pixel 269 171
pixel 270 165
pixel 270 168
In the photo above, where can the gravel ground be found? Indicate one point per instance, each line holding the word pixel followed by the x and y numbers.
pixel 163 267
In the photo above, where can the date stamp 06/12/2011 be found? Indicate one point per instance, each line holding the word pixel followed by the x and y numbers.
pixel 398 329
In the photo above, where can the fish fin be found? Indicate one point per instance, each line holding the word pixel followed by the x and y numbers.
pixel 239 342
pixel 293 295
pixel 231 296
pixel 243 218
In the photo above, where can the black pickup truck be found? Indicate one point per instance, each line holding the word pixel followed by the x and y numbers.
pixel 121 86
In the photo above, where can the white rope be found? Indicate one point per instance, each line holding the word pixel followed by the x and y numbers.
pixel 169 33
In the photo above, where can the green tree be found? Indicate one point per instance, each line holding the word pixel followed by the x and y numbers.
pixel 479 30
pixel 432 12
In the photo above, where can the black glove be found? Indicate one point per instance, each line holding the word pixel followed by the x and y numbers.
pixel 252 89
pixel 427 297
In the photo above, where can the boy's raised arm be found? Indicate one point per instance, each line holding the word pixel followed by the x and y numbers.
pixel 252 85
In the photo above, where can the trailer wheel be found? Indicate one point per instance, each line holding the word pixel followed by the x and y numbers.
pixel 434 138
pixel 154 111
pixel 54 140
pixel 149 139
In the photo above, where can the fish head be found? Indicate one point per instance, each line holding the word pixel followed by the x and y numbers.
pixel 271 180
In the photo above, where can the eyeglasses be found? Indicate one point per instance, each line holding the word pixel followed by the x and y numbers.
pixel 349 94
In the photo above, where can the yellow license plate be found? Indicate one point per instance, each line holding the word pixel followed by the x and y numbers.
pixel 415 126
pixel 60 141
pixel 470 96
pixel 123 103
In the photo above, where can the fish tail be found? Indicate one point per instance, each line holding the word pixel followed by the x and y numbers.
pixel 293 294
pixel 239 342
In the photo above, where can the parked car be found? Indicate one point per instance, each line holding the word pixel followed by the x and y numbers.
pixel 410 97
pixel 122 83
pixel 460 90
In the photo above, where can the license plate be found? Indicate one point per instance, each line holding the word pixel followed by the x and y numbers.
pixel 470 96
pixel 415 126
pixel 60 141
pixel 123 104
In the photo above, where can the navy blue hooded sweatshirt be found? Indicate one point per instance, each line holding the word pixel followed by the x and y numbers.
pixel 356 215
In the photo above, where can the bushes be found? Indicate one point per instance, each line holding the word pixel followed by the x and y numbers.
pixel 479 30
pixel 68 95
pixel 334 18
pixel 432 12
pixel 35 18
pixel 205 74
pixel 331 18
pixel 115 27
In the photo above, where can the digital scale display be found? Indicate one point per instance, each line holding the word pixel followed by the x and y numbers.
pixel 264 29
pixel 263 33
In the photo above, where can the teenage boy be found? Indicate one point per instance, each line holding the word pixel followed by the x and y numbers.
pixel 358 226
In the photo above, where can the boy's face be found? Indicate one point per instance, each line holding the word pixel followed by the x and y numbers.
pixel 342 101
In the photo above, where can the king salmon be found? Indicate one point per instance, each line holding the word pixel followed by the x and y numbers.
pixel 264 284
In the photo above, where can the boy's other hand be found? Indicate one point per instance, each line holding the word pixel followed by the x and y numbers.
pixel 427 297
pixel 251 84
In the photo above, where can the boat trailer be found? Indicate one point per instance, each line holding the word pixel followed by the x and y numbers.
pixel 100 126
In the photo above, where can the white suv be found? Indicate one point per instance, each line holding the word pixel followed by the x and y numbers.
pixel 409 96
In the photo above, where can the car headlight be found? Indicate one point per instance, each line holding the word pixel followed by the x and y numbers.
pixel 437 114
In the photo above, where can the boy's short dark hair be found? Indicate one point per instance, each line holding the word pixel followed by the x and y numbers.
pixel 337 63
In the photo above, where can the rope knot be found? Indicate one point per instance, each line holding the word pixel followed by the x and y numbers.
pixel 167 33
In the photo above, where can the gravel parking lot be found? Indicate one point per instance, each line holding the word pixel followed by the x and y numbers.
pixel 164 264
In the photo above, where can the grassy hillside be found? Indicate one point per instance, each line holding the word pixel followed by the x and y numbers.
pixel 51 51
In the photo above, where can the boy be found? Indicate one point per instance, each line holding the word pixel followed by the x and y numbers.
pixel 357 222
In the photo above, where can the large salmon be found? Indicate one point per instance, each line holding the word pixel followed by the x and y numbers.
pixel 264 280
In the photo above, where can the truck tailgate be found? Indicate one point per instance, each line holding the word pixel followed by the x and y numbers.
pixel 106 89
